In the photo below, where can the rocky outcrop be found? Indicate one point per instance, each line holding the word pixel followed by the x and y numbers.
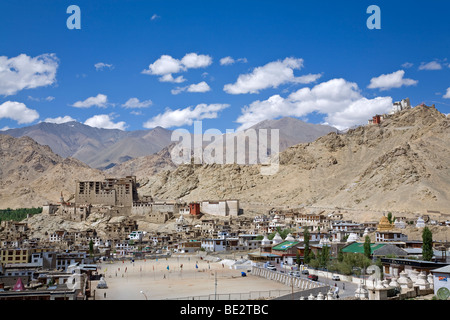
pixel 400 165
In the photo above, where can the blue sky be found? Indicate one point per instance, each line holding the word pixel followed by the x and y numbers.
pixel 314 60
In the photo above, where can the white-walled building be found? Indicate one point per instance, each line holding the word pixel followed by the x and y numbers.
pixel 136 235
pixel 214 245
pixel 441 282
pixel 400 105
pixel 390 236
pixel 220 207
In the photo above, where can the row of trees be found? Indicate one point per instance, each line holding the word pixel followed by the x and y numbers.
pixel 348 263
pixel 18 214
pixel 344 263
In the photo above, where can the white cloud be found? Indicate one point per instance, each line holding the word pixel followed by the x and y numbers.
pixel 17 111
pixel 33 98
pixel 100 101
pixel 135 103
pixel 60 119
pixel 433 65
pixel 308 78
pixel 154 17
pixel 195 61
pixel 339 100
pixel 358 112
pixel 270 75
pixel 226 61
pixel 100 66
pixel 199 87
pixel 24 72
pixel 447 94
pixel 178 90
pixel 186 116
pixel 407 65
pixel 391 80
pixel 5 128
pixel 170 78
pixel 166 65
pixel 105 121
pixel 49 98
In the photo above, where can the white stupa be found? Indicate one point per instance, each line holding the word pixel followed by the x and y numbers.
pixel 420 223
pixel 366 232
pixel 361 292
pixel 324 241
pixel 422 281
pixel 353 237
pixel 265 241
pixel 400 224
pixel 404 281
pixel 277 239
pixel 289 237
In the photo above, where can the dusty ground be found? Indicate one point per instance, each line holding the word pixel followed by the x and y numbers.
pixel 126 280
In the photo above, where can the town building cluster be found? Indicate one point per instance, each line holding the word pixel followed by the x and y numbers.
pixel 119 197
pixel 47 264
pixel 42 267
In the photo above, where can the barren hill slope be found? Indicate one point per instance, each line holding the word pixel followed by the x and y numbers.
pixel 144 167
pixel 402 164
pixel 291 132
pixel 31 174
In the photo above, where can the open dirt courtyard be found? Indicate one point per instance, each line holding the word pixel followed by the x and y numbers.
pixel 179 277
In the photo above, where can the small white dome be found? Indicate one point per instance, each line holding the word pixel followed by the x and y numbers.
pixel 353 237
pixel 277 239
pixel 290 237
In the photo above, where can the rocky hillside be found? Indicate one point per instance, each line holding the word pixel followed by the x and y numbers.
pixel 144 167
pixel 291 132
pixel 31 174
pixel 402 165
pixel 294 131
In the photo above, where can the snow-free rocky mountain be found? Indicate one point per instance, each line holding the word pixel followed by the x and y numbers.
pixel 403 164
pixel 96 147
pixel 106 148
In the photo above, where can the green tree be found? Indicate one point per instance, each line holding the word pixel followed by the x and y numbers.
pixel 283 233
pixel 389 217
pixel 91 248
pixel 18 214
pixel 427 244
pixel 324 256
pixel 307 254
pixel 340 255
pixel 367 249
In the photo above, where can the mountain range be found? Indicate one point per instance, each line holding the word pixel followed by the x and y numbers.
pixel 97 147
pixel 402 164
pixel 105 148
